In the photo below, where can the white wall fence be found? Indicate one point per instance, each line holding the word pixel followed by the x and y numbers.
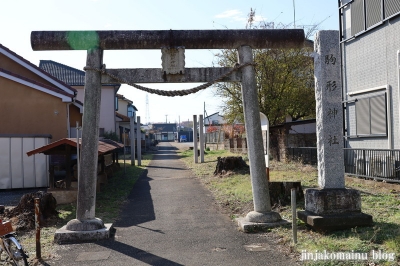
pixel 17 170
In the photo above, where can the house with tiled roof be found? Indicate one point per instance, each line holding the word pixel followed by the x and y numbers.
pixel 75 78
pixel 37 109
pixel 34 101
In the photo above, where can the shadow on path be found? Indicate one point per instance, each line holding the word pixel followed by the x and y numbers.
pixel 137 253
pixel 166 167
pixel 166 153
pixel 139 207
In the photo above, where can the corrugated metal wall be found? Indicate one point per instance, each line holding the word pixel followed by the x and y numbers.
pixel 17 170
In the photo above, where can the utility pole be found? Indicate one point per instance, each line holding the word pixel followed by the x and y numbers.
pixel 204 110
pixel 294 15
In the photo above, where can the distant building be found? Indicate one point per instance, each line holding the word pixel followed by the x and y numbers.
pixel 214 120
pixel 165 132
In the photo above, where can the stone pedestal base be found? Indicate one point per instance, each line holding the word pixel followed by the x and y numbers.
pixel 260 221
pixel 333 209
pixel 63 235
pixel 332 222
pixel 263 217
pixel 85 225
pixel 251 227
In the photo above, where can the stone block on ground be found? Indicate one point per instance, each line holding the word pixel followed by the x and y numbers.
pixel 333 209
pixel 334 222
pixel 65 196
pixel 332 201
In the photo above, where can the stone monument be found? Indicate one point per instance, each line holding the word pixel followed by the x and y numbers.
pixel 332 206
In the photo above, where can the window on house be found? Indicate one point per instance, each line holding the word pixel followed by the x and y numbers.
pixel 371 116
pixel 116 103
pixel 101 132
pixel 358 16
pixel 373 10
pixel 130 111
pixel 392 7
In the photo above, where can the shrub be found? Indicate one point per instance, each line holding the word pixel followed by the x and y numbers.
pixel 111 135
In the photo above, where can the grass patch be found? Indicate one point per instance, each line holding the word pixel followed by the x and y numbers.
pixel 234 194
pixel 231 191
pixel 108 201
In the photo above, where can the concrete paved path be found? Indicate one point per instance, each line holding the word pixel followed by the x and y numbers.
pixel 171 219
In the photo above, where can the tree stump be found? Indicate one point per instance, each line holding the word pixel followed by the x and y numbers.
pixel 25 210
pixel 280 192
pixel 230 163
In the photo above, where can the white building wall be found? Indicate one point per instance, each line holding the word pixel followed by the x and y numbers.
pixel 122 107
pixel 107 107
pixel 303 129
pixel 370 60
pixel 215 117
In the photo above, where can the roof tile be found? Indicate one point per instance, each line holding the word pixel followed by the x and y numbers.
pixel 37 83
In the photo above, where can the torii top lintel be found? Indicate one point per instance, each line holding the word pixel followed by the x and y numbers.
pixel 190 39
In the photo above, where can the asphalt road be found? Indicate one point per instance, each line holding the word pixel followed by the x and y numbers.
pixel 171 219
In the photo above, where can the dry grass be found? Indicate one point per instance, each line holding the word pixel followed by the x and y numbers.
pixel 233 193
pixel 116 192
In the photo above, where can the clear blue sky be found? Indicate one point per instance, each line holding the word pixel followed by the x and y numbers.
pixel 20 17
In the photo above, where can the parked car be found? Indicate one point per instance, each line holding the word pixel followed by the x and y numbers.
pixel 182 138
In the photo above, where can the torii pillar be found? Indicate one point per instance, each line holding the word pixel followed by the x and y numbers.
pixel 86 226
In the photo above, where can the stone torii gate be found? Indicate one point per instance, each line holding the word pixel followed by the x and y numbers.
pixel 172 43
